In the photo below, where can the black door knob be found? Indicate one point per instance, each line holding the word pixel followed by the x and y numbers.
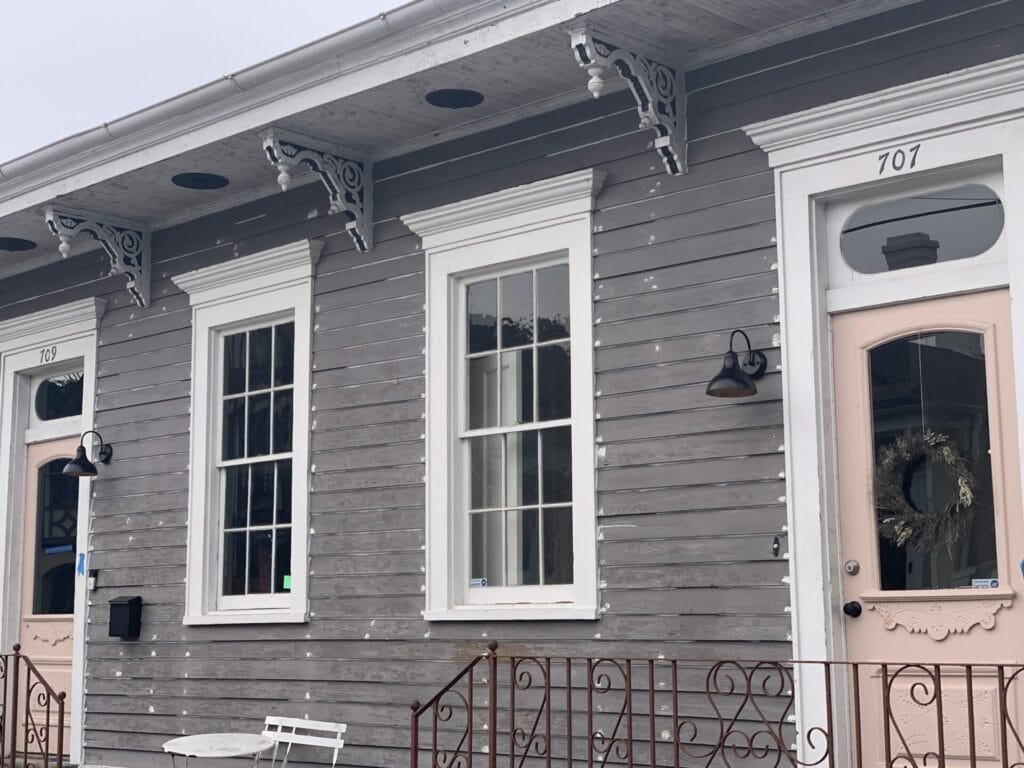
pixel 853 609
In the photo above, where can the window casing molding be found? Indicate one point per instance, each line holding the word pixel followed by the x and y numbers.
pixel 256 290
pixel 525 226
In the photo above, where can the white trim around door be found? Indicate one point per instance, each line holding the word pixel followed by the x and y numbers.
pixel 43 340
pixel 971 119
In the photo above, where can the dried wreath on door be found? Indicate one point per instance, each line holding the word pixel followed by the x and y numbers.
pixel 899 521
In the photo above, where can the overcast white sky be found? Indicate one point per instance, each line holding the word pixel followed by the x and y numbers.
pixel 69 65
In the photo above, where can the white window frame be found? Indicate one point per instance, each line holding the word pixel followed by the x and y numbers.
pixel 39 430
pixel 264 288
pixel 527 225
pixel 962 120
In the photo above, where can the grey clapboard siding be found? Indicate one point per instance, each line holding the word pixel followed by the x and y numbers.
pixel 690 491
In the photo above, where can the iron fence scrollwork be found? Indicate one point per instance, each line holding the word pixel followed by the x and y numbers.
pixel 535 711
pixel 32 715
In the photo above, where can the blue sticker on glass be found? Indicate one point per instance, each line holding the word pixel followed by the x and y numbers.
pixel 81 564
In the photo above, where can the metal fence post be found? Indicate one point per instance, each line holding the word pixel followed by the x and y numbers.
pixel 414 731
pixel 15 662
pixel 492 704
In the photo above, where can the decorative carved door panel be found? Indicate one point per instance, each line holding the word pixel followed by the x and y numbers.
pixel 48 563
pixel 931 529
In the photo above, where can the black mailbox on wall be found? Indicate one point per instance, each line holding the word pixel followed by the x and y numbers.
pixel 126 617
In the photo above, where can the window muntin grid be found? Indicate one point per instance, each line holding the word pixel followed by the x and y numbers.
pixel 255 464
pixel 515 433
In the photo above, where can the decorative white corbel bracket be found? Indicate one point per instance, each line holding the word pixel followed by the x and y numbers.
pixel 126 244
pixel 658 88
pixel 347 176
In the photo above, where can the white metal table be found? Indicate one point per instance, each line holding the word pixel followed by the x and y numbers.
pixel 217 745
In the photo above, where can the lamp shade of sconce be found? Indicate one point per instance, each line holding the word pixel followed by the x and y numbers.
pixel 736 379
pixel 80 466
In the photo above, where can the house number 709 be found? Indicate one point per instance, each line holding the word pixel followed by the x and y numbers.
pixel 48 354
pixel 898 159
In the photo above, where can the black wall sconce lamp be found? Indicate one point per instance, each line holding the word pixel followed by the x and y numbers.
pixel 736 379
pixel 80 466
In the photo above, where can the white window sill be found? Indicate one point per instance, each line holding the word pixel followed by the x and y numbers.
pixel 520 612
pixel 268 616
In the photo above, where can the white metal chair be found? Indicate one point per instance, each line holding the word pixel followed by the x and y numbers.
pixel 295 730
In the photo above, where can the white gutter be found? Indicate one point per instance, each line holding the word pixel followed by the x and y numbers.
pixel 414 37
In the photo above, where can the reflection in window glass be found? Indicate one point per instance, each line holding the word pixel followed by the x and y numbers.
pixel 56 529
pixel 255 461
pixel 519 480
pixel 59 396
pixel 931 387
pixel 919 230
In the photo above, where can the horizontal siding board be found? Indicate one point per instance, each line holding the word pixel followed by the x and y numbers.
pixel 353 415
pixel 693 273
pixel 707 345
pixel 827 42
pixel 623 496
pixel 695 421
pixel 880 51
pixel 701 198
pixel 737 239
pixel 936 60
pixel 687 225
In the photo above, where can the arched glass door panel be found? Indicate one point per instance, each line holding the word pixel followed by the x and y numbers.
pixel 932 462
pixel 56 528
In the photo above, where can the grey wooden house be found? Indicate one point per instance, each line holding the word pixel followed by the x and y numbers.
pixel 403 343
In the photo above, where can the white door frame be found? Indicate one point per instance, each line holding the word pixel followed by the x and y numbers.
pixel 964 117
pixel 43 339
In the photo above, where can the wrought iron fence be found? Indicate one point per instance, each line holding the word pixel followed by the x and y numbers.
pixel 540 711
pixel 31 716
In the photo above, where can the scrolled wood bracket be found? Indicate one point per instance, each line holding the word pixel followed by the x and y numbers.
pixel 126 244
pixel 348 179
pixel 657 87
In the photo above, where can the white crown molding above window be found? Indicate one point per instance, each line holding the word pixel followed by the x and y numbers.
pixel 271 269
pixel 30 330
pixel 992 91
pixel 506 212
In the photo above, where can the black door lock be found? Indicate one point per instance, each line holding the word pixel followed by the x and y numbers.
pixel 853 609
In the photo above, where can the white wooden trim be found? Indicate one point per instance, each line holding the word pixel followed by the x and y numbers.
pixel 966 117
pixel 989 92
pixel 72 328
pixel 490 217
pixel 267 285
pixel 521 224
pixel 847 289
pixel 266 270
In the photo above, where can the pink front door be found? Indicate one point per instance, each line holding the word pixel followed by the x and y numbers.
pixel 48 566
pixel 930 517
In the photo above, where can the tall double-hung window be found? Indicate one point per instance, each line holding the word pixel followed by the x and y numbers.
pixel 510 517
pixel 248 500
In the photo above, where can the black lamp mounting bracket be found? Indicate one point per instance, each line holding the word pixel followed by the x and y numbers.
pixel 106 452
pixel 754 363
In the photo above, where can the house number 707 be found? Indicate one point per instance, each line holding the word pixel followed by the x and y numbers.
pixel 898 159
